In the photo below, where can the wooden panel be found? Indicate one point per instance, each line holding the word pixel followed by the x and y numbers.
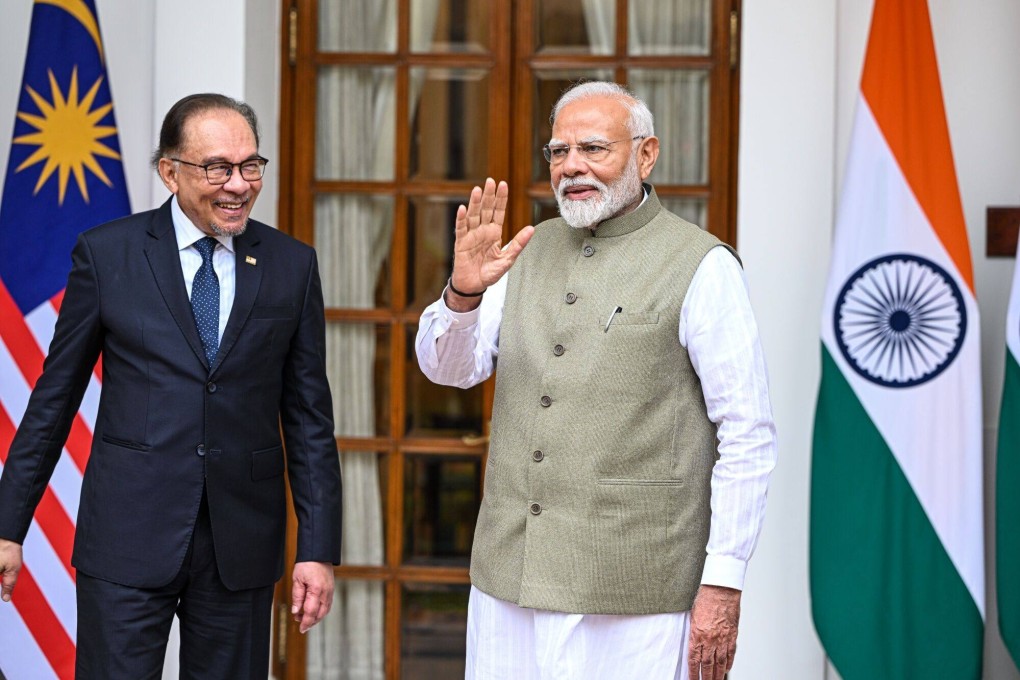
pixel 1002 224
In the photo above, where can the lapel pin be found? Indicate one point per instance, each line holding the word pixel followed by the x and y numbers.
pixel 249 259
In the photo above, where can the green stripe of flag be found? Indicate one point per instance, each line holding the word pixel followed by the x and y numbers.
pixel 1007 510
pixel 886 599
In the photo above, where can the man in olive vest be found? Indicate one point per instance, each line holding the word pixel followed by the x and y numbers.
pixel 632 435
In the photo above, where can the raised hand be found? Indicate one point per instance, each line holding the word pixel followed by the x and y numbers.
pixel 479 259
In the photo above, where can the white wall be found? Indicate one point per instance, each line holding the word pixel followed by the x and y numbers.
pixel 801 62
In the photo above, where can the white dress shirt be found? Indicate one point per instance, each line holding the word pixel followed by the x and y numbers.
pixel 718 329
pixel 223 259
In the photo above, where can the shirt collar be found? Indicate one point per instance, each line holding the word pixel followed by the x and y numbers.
pixel 187 233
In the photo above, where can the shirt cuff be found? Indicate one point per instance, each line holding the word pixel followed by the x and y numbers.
pixel 721 570
pixel 456 320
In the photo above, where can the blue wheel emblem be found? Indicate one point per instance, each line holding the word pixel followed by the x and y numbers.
pixel 900 320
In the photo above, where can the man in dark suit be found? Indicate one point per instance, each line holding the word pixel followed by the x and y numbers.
pixel 211 330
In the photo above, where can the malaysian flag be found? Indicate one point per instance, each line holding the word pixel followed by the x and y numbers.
pixel 64 175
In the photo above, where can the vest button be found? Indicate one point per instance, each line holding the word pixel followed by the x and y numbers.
pixel 589 251
pixel 210 387
pixel 200 450
pixel 558 350
pixel 537 456
pixel 545 401
pixel 571 298
pixel 536 509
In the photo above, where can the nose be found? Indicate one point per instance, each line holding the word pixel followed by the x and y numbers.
pixel 235 182
pixel 575 163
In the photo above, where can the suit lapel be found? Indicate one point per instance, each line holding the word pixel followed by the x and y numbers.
pixel 165 262
pixel 247 278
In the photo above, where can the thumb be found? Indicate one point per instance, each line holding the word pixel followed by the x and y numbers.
pixel 10 577
pixel 517 243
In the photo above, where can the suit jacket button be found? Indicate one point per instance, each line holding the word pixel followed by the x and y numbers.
pixel 200 449
pixel 210 387
pixel 536 509
pixel 571 298
pixel 558 350
pixel 537 456
pixel 589 251
pixel 545 401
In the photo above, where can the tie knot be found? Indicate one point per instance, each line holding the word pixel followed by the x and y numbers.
pixel 206 246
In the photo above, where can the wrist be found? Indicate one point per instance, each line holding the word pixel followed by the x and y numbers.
pixel 461 293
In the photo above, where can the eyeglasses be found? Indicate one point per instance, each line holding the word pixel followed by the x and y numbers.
pixel 595 152
pixel 220 172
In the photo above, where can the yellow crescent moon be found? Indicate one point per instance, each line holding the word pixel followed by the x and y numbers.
pixel 80 11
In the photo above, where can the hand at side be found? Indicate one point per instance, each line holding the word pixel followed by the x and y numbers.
pixel 713 639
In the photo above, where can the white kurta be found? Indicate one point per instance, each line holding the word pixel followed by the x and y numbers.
pixel 718 329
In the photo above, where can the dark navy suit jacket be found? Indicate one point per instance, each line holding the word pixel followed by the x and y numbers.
pixel 169 425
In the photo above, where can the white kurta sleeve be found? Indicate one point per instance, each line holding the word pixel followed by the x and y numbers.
pixel 718 329
pixel 460 349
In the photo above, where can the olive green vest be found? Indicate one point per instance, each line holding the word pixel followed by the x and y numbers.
pixel 597 485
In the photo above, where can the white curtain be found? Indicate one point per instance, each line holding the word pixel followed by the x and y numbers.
pixel 355 128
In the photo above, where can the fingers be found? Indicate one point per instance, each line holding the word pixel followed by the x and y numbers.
pixel 311 594
pixel 297 597
pixel 10 577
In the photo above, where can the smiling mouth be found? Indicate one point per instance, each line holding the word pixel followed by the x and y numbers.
pixel 232 205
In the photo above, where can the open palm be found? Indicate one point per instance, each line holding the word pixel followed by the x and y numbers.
pixel 479 259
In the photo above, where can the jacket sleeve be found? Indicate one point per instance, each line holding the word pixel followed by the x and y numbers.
pixel 37 445
pixel 306 414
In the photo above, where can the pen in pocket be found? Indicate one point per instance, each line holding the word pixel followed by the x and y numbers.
pixel 615 312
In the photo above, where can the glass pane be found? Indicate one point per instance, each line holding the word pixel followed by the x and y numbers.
pixel 449 26
pixel 694 210
pixel 679 101
pixel 436 410
pixel 449 123
pixel 575 26
pixel 549 86
pixel 358 369
pixel 431 220
pixel 349 642
pixel 352 239
pixel 433 627
pixel 441 499
pixel 354 123
pixel 669 27
pixel 365 475
pixel 357 26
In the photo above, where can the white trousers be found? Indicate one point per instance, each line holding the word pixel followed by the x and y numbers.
pixel 507 642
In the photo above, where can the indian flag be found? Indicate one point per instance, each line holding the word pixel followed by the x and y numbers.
pixel 897 569
pixel 1007 500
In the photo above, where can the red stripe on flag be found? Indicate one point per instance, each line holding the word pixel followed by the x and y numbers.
pixel 14 333
pixel 50 514
pixel 18 338
pixel 42 623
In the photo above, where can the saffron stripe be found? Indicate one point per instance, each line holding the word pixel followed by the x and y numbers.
pixel 902 86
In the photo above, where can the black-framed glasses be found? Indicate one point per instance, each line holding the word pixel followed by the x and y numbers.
pixel 596 152
pixel 220 172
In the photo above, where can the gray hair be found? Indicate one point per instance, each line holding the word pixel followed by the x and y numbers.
pixel 641 122
pixel 171 134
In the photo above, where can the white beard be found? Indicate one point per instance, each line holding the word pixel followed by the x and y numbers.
pixel 610 201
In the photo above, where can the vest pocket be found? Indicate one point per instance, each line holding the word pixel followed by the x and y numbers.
pixel 629 319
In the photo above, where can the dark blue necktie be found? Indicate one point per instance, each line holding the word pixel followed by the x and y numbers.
pixel 205 300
